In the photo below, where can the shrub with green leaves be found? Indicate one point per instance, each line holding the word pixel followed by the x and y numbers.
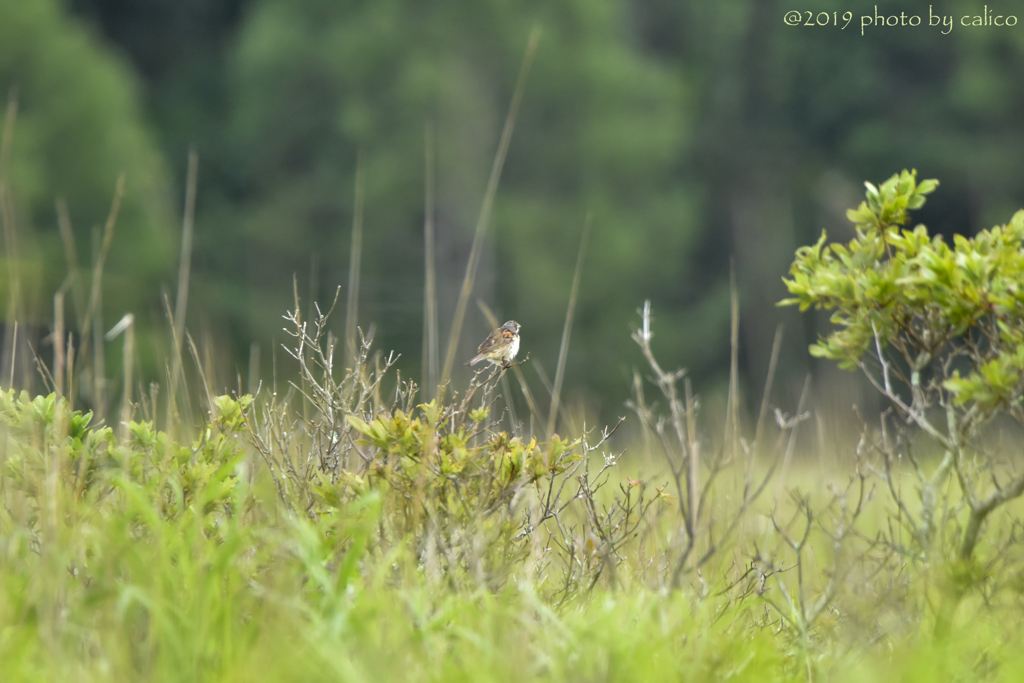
pixel 470 497
pixel 456 487
pixel 47 441
pixel 938 329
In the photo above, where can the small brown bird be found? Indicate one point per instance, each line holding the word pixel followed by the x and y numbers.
pixel 500 347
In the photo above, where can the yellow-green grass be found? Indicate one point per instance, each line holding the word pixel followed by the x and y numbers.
pixel 158 567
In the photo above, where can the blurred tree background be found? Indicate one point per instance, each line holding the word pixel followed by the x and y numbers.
pixel 73 125
pixel 698 135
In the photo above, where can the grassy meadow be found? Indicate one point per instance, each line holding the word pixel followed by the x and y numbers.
pixel 338 522
pixel 348 528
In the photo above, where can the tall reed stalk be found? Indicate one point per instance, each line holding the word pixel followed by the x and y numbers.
pixel 430 341
pixel 485 212
pixel 177 319
pixel 563 350
pixel 355 255
pixel 7 218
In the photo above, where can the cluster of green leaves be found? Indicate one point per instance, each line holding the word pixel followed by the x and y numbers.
pixel 48 440
pixel 33 422
pixel 453 479
pixel 930 325
pixel 932 302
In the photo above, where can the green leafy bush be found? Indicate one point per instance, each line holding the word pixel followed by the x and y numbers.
pixel 468 500
pixel 50 442
pixel 940 308
pixel 938 330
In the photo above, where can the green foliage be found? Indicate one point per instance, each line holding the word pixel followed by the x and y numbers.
pixel 934 328
pixel 49 440
pixel 44 430
pixel 441 472
pixel 933 303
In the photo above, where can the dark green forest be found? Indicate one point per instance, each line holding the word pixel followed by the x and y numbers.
pixel 701 139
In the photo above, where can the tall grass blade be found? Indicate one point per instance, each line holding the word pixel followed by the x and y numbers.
pixel 732 408
pixel 126 326
pixel 693 454
pixel 129 364
pixel 199 368
pixel 254 367
pixel 563 350
pixel 49 385
pixel 776 347
pixel 643 411
pixel 210 361
pixel 74 283
pixel 430 342
pixel 187 231
pixel 175 370
pixel 314 282
pixel 59 362
pixel 485 211
pixel 536 417
pixel 545 382
pixel 92 321
pixel 184 269
pixel 10 117
pixel 543 376
pixel 70 379
pixel 67 236
pixel 352 308
pixel 14 355
pixel 10 237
